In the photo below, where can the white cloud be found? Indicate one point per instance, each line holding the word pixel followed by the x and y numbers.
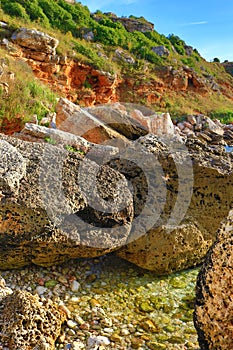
pixel 195 23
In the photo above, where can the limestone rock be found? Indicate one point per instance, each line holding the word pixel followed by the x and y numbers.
pixel 35 40
pixel 63 205
pixel 131 24
pixel 190 203
pixel 73 118
pixel 124 56
pixel 132 120
pixel 188 50
pixel 161 50
pixel 214 308
pixel 28 322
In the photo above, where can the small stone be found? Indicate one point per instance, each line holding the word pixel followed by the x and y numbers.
pixel 156 346
pixel 94 302
pixel 125 332
pixel 74 300
pixel 149 325
pixel 71 324
pixel 84 326
pixel 71 332
pixel 75 285
pixel 93 342
pixel 116 338
pixel 78 345
pixel 62 280
pixel 91 278
pixel 136 343
pixel 79 319
pixel 64 309
pixel 176 339
pixel 62 338
pixel 41 290
pixel 50 283
pixel 146 307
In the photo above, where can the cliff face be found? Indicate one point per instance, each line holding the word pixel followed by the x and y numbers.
pixel 88 86
pixel 166 80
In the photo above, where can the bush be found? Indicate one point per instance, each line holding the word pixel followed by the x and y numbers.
pixel 177 43
pixel 226 117
pixel 15 9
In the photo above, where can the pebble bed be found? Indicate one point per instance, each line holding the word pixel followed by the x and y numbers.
pixel 112 304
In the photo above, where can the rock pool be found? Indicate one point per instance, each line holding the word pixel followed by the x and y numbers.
pixel 115 303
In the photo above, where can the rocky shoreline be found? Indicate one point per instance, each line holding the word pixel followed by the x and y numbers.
pixel 53 213
pixel 112 304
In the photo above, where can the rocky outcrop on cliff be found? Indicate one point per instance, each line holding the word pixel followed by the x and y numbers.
pixel 228 67
pixel 214 309
pixel 35 40
pixel 130 23
pixel 54 206
pixel 83 83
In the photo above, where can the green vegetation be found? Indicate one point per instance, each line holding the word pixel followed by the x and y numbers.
pixel 73 149
pixel 26 95
pixel 50 140
pixel 70 23
pixel 225 116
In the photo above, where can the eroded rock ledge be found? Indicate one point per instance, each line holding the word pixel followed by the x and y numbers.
pixel 45 215
pixel 214 307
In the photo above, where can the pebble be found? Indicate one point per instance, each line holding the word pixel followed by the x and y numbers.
pixel 99 340
pixel 75 285
pixel 78 345
pixel 41 290
pixel 72 324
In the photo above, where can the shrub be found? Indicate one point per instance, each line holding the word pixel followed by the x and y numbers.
pixel 15 9
pixel 177 43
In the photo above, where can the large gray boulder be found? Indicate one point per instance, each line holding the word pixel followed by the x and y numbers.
pixel 176 219
pixel 133 120
pixel 214 308
pixel 58 204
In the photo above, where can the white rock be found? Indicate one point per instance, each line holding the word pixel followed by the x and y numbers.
pixel 71 324
pixel 93 342
pixel 41 290
pixel 78 345
pixel 75 285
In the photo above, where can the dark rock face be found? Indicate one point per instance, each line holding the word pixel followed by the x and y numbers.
pixel 28 322
pixel 54 206
pixel 214 308
pixel 228 67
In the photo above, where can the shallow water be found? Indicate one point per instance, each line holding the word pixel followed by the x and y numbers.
pixel 137 309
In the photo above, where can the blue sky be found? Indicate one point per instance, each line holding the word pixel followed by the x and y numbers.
pixel 207 25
